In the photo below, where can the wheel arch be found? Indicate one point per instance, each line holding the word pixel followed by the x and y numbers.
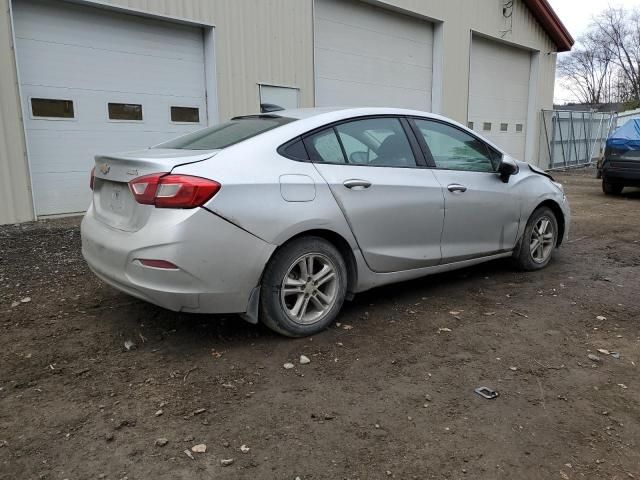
pixel 557 211
pixel 337 241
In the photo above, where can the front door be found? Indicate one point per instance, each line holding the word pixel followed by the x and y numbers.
pixel 393 205
pixel 482 213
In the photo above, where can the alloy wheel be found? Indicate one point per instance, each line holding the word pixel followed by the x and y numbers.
pixel 309 288
pixel 543 239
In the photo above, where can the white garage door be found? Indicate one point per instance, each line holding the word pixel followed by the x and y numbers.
pixel 368 56
pixel 94 81
pixel 499 93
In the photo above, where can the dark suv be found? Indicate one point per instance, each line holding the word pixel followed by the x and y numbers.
pixel 621 159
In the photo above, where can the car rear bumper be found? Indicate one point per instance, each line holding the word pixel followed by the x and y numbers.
pixel 625 172
pixel 218 263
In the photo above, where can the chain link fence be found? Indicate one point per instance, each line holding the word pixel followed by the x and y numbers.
pixel 572 138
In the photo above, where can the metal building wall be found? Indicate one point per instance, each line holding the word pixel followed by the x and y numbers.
pixel 271 41
pixel 256 41
pixel 16 204
pixel 458 19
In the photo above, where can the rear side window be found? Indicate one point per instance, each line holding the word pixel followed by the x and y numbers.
pixel 294 150
pixel 372 142
pixel 326 147
pixel 229 133
pixel 379 142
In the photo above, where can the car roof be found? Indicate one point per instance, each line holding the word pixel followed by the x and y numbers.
pixel 322 115
pixel 347 112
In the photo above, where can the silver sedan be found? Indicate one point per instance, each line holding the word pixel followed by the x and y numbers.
pixel 281 217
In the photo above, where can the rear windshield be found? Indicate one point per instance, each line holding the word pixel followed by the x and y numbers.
pixel 226 134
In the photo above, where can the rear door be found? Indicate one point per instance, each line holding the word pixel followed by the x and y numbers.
pixel 482 213
pixel 393 203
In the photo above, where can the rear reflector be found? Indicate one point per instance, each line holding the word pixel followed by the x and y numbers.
pixel 157 263
pixel 173 191
pixel 93 178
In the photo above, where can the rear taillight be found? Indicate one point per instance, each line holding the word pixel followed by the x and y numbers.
pixel 93 178
pixel 173 191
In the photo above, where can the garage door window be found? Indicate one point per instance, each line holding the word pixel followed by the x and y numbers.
pixel 453 149
pixel 185 114
pixel 125 111
pixel 51 108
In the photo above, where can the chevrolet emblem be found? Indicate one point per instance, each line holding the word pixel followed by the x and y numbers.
pixel 104 168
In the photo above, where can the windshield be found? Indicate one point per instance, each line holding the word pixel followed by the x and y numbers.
pixel 225 134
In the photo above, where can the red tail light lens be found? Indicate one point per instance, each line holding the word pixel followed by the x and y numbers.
pixel 147 262
pixel 93 178
pixel 173 191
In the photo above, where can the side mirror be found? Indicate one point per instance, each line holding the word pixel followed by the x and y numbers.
pixel 507 168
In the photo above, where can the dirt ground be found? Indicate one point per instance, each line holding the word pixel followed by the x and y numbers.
pixel 387 394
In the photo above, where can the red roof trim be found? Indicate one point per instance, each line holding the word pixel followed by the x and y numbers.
pixel 551 23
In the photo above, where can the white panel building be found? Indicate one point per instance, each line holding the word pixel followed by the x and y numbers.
pixel 83 77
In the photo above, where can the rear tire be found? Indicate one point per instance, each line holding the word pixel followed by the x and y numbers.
pixel 303 287
pixel 538 241
pixel 611 188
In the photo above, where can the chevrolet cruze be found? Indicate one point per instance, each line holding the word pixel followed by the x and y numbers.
pixel 281 217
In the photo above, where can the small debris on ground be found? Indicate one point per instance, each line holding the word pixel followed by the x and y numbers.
pixel 200 448
pixel 225 462
pixel 244 449
pixel 129 345
pixel 189 454
pixel 199 411
pixel 159 412
pixel 304 360
pixel 443 329
pixel 347 327
pixel 601 317
pixel 161 442
pixel 288 366
pixel 604 351
pixel 594 357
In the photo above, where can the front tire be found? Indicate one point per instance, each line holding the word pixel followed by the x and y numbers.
pixel 303 287
pixel 538 241
pixel 611 188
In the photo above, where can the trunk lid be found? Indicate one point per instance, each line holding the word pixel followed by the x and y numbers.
pixel 113 202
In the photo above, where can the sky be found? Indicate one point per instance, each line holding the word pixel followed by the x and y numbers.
pixel 576 16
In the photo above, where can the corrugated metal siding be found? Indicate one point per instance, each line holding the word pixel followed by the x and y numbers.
pixel 16 204
pixel 268 41
pixel 271 41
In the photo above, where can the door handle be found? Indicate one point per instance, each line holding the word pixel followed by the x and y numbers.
pixel 457 188
pixel 357 184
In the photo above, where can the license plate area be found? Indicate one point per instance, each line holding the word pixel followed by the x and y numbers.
pixel 115 205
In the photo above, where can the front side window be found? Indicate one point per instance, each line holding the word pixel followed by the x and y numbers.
pixel 226 134
pixel 453 149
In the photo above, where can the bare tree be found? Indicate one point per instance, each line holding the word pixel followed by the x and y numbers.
pixel 604 66
pixel 586 70
pixel 619 31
